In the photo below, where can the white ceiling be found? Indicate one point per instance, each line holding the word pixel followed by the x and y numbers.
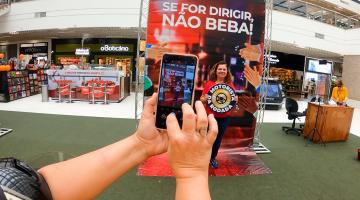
pixel 117 32
pixel 99 32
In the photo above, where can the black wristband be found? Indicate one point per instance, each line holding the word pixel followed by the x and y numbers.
pixel 44 188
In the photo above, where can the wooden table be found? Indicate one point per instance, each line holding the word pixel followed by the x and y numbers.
pixel 333 122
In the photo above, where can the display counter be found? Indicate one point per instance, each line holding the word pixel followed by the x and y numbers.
pixel 88 85
pixel 333 123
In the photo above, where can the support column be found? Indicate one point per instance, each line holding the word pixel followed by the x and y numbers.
pixel 351 76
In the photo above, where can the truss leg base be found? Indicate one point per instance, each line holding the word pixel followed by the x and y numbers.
pixel 259 149
pixel 4 131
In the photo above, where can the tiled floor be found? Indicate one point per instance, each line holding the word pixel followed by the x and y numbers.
pixel 126 109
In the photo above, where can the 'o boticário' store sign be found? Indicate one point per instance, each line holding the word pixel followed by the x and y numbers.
pixel 118 48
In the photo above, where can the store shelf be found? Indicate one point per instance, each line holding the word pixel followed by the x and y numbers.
pixel 24 82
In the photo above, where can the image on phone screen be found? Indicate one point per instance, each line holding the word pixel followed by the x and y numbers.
pixel 237 70
pixel 176 86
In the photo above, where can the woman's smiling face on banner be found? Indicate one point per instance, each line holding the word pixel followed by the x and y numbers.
pixel 221 71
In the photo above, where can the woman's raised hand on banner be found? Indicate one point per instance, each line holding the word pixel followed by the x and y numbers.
pixel 156 51
pixel 248 103
pixel 252 76
pixel 251 52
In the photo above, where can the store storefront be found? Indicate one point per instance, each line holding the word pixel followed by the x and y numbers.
pixel 318 77
pixel 18 78
pixel 3 52
pixel 8 51
pixel 92 69
pixel 33 52
pixel 119 53
pixel 289 69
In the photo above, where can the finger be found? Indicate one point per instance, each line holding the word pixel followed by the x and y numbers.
pixel 250 71
pixel 202 119
pixel 245 102
pixel 241 52
pixel 163 44
pixel 189 119
pixel 248 75
pixel 150 104
pixel 247 44
pixel 213 129
pixel 172 126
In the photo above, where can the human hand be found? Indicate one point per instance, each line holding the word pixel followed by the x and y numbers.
pixel 156 51
pixel 190 147
pixel 204 98
pixel 152 141
pixel 248 103
pixel 251 52
pixel 252 76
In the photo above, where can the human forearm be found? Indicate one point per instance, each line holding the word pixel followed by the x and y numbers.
pixel 193 188
pixel 189 151
pixel 87 176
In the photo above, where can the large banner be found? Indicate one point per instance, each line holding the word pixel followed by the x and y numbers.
pixel 227 36
pixel 221 30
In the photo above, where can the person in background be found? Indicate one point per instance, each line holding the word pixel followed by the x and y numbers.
pixel 340 93
pixel 218 74
pixel 87 176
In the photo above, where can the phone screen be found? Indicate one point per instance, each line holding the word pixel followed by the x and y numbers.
pixel 176 86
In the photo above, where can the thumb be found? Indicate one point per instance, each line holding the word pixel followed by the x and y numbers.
pixel 172 125
pixel 247 44
pixel 150 105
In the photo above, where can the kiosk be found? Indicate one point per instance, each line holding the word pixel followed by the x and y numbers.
pixel 98 85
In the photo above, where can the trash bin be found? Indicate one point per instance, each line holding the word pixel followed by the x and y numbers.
pixel 44 93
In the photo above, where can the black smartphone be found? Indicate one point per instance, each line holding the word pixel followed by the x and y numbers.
pixel 176 86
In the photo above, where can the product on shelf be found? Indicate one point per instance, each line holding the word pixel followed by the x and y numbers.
pixel 20 84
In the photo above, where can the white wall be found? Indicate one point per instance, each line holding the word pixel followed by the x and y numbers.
pixel 352 42
pixel 71 13
pixel 301 31
pixel 350 76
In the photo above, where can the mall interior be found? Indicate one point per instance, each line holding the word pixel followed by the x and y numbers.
pixel 68 86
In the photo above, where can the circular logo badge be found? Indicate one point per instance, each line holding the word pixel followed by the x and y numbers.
pixel 221 98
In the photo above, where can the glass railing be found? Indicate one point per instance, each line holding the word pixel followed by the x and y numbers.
pixel 5 2
pixel 317 13
pixel 4 6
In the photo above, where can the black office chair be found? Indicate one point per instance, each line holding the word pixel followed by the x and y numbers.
pixel 293 114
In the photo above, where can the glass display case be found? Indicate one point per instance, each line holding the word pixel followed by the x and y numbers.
pixel 91 82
